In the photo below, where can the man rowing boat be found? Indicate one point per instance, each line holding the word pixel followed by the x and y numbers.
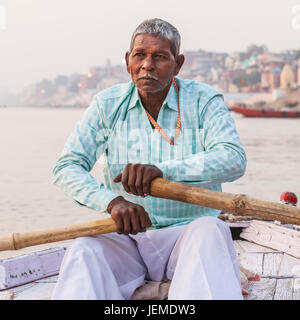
pixel 157 125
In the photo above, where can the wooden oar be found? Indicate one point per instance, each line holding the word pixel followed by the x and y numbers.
pixel 235 203
pixel 238 204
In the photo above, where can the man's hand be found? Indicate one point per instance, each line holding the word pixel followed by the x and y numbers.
pixel 129 217
pixel 136 178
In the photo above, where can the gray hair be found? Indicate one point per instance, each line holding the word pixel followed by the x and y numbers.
pixel 159 28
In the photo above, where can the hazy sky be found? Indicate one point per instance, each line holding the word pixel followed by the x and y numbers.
pixel 44 38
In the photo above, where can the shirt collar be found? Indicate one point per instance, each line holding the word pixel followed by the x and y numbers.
pixel 170 101
pixel 134 98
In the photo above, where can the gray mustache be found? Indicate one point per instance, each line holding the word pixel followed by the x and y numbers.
pixel 148 76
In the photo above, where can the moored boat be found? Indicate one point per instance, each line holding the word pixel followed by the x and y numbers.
pixel 265 113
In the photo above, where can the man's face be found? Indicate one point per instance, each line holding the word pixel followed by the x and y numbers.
pixel 151 63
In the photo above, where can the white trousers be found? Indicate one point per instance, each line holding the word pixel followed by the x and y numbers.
pixel 199 258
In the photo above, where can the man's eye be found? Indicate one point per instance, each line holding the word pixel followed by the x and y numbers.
pixel 160 56
pixel 138 54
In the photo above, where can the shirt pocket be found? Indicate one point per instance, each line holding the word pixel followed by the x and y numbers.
pixel 117 146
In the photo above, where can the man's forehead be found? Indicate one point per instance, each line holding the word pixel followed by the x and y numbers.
pixel 143 41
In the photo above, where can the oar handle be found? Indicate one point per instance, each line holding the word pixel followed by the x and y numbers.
pixel 17 241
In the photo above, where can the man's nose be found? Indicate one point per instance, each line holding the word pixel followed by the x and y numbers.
pixel 148 63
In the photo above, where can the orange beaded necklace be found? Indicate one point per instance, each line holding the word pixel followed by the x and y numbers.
pixel 178 125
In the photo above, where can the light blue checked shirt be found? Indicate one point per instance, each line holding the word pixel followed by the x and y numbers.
pixel 208 150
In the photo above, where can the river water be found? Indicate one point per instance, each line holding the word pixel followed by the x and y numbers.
pixel 31 140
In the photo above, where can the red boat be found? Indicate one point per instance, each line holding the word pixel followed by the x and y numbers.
pixel 265 113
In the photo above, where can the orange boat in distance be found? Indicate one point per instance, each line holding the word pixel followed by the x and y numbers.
pixel 265 113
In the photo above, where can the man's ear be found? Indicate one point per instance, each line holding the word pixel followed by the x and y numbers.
pixel 179 61
pixel 127 61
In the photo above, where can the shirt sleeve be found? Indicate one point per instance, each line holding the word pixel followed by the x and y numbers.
pixel 83 148
pixel 223 158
